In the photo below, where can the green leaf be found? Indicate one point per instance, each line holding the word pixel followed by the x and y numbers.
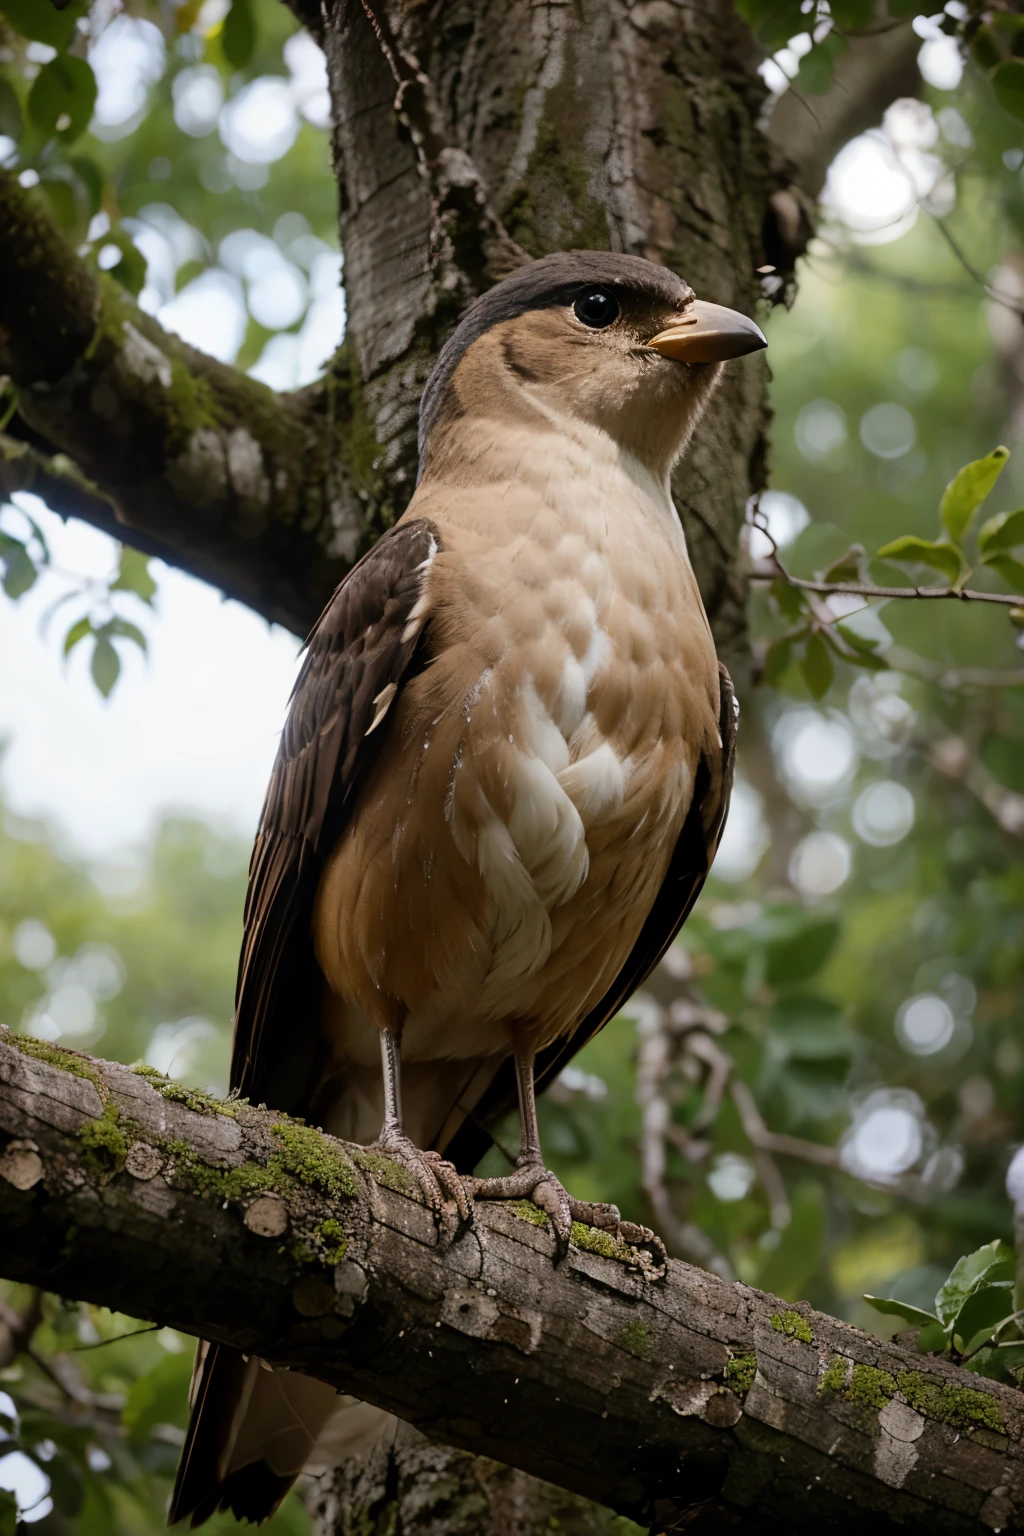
pixel 122 629
pixel 41 21
pixel 65 1485
pixel 91 178
pixel 68 213
pixel 8 1513
pixel 985 50
pixel 19 568
pixel 158 1397
pixel 133 575
pixel 932 1339
pixel 774 22
pixel 941 556
pixel 855 640
pixel 848 568
pixel 776 660
pixel 999 1362
pixel 851 15
pixel 817 65
pixel 968 489
pixel 188 271
pixel 238 36
pixel 131 270
pixel 797 954
pixel 63 89
pixel 76 633
pixel 11 120
pixel 1011 570
pixel 981 1313
pixel 912 1315
pixel 789 600
pixel 105 666
pixel 816 666
pixel 995 1261
pixel 809 1029
pixel 1004 531
pixel 1008 87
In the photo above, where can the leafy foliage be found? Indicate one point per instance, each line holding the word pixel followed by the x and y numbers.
pixel 101 1405
pixel 976 1322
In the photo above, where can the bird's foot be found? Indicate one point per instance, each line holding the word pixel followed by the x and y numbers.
pixel 532 1181
pixel 439 1180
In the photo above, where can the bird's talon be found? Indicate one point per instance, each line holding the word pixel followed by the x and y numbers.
pixel 438 1180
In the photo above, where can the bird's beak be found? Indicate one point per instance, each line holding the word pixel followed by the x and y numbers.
pixel 708 333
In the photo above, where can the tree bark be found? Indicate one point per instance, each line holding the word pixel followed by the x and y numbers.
pixel 409 1484
pixel 674 1398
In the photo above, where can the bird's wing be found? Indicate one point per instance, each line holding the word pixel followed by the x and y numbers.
pixel 688 869
pixel 368 643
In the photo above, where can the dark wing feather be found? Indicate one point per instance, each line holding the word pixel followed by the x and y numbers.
pixel 687 871
pixel 355 652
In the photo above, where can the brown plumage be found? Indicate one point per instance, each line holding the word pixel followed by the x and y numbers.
pixel 502 781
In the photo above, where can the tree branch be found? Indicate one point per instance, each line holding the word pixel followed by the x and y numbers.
pixel 770 570
pixel 134 431
pixel 653 1397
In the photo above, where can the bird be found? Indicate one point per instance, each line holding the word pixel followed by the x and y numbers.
pixel 503 776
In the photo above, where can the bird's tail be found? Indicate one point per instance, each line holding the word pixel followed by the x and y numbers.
pixel 253 1429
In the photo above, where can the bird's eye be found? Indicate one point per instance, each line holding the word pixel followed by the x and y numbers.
pixel 596 308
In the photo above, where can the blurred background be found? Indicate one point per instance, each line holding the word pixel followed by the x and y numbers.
pixel 821 1089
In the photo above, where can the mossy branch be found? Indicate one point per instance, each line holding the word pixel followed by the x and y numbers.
pixel 125 426
pixel 650 1396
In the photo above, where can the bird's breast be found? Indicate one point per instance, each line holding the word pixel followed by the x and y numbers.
pixel 520 820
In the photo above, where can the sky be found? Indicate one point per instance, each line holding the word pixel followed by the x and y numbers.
pixel 195 726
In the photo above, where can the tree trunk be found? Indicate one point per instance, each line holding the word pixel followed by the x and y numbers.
pixel 411 1486
pixel 529 128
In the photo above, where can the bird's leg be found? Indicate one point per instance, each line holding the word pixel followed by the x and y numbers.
pixel 437 1178
pixel 532 1181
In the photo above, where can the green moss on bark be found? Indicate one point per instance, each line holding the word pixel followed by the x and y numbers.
pixel 104 1143
pixel 57 1056
pixel 192 1098
pixel 387 1172
pixel 593 1240
pixel 527 1211
pixel 793 1326
pixel 740 1372
pixel 334 1241
pixel 315 1161
pixel 961 1406
pixel 635 1339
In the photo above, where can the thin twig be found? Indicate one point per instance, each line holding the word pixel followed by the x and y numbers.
pixel 1014 305
pixel 771 570
pixel 77 1349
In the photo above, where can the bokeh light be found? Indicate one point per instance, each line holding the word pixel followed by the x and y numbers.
pixel 925 1024
pixel 883 813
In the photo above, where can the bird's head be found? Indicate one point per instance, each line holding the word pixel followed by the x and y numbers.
pixel 606 341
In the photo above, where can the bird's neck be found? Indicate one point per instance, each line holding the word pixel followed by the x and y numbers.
pixel 483 450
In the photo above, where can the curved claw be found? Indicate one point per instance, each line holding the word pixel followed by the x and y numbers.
pixel 438 1180
pixel 532 1181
